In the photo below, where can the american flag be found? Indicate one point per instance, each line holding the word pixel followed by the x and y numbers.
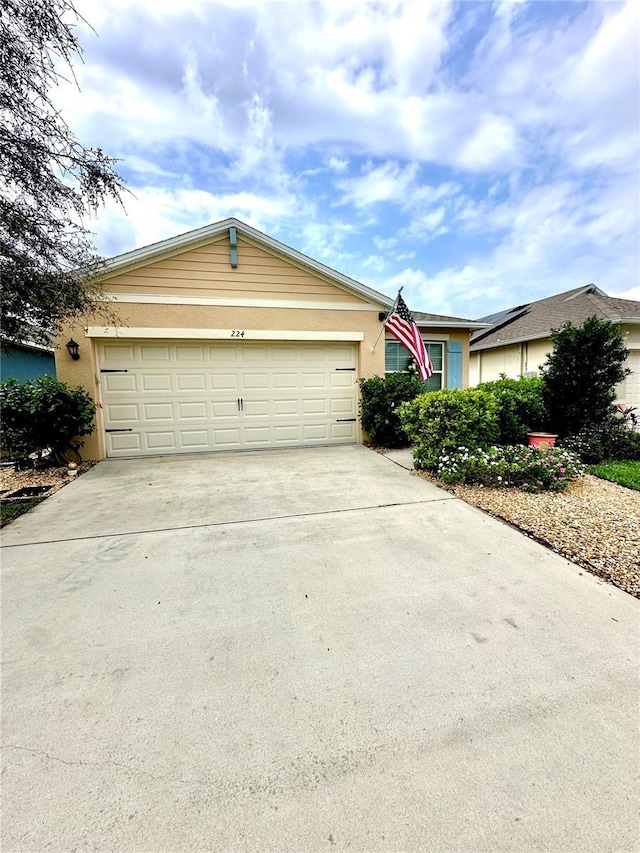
pixel 403 327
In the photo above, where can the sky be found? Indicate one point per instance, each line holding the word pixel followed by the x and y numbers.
pixel 478 154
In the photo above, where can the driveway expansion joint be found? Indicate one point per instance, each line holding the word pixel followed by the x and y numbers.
pixel 228 523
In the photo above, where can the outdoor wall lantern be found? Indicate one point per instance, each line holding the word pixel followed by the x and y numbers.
pixel 73 348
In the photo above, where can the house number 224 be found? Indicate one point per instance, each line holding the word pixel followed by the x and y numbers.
pixel 237 333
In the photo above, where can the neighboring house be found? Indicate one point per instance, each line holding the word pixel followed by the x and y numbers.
pixel 23 361
pixel 228 340
pixel 518 340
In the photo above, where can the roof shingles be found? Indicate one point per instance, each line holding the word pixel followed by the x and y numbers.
pixel 543 316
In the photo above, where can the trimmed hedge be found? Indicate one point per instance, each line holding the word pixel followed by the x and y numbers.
pixel 441 420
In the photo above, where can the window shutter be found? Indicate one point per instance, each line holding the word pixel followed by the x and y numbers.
pixel 454 364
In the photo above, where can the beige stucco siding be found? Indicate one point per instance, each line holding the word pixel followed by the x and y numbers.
pixel 85 372
pixel 206 271
pixel 632 336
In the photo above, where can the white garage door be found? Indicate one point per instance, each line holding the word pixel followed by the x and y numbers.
pixel 162 397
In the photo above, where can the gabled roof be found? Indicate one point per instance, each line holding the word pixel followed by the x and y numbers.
pixel 200 236
pixel 538 319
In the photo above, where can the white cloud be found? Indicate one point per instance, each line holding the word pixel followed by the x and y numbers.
pixel 156 214
pixel 519 143
pixel 386 182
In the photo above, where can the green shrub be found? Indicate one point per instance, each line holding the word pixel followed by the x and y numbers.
pixel 443 420
pixel 603 442
pixel 379 402
pixel 531 469
pixel 521 407
pixel 44 414
pixel 581 374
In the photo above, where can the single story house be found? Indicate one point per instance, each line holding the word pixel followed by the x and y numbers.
pixel 517 340
pixel 25 360
pixel 227 339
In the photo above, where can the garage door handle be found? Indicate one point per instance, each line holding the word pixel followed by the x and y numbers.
pixel 346 369
pixel 345 420
pixel 122 370
pixel 119 430
pixel 240 404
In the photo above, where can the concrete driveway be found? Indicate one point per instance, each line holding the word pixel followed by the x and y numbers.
pixel 306 650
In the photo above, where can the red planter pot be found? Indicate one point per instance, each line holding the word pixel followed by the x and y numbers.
pixel 541 439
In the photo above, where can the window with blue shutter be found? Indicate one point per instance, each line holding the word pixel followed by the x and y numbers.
pixel 397 360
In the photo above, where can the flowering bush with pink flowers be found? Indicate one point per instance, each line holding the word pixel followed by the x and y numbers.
pixel 532 469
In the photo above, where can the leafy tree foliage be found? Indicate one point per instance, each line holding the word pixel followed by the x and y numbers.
pixel 581 373
pixel 49 181
pixel 44 415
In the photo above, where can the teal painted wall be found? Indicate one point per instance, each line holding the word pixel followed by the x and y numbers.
pixel 23 364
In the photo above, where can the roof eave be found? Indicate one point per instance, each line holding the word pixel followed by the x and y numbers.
pixel 506 343
pixel 165 248
pixel 448 324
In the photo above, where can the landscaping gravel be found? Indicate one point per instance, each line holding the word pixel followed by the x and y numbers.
pixel 594 523
pixel 12 480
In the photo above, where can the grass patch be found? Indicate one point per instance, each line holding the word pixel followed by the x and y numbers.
pixel 624 473
pixel 10 510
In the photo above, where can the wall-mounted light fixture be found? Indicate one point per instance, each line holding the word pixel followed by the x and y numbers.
pixel 73 348
pixel 382 316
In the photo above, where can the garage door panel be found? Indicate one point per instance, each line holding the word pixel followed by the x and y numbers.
pixel 225 409
pixel 314 380
pixel 315 432
pixel 121 413
pixel 181 397
pixel 192 411
pixel 257 435
pixel 191 353
pixel 158 412
pixel 253 355
pixel 283 408
pixel 343 406
pixel 156 382
pixel 224 381
pixel 190 381
pixel 286 434
pixel 342 379
pixel 286 381
pixel 116 354
pixel 155 353
pixel 124 443
pixel 315 406
pixel 343 432
pixel 161 441
pixel 119 383
pixel 257 408
pixel 195 438
pixel 254 382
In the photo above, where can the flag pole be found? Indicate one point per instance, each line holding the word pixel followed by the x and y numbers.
pixel 373 348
